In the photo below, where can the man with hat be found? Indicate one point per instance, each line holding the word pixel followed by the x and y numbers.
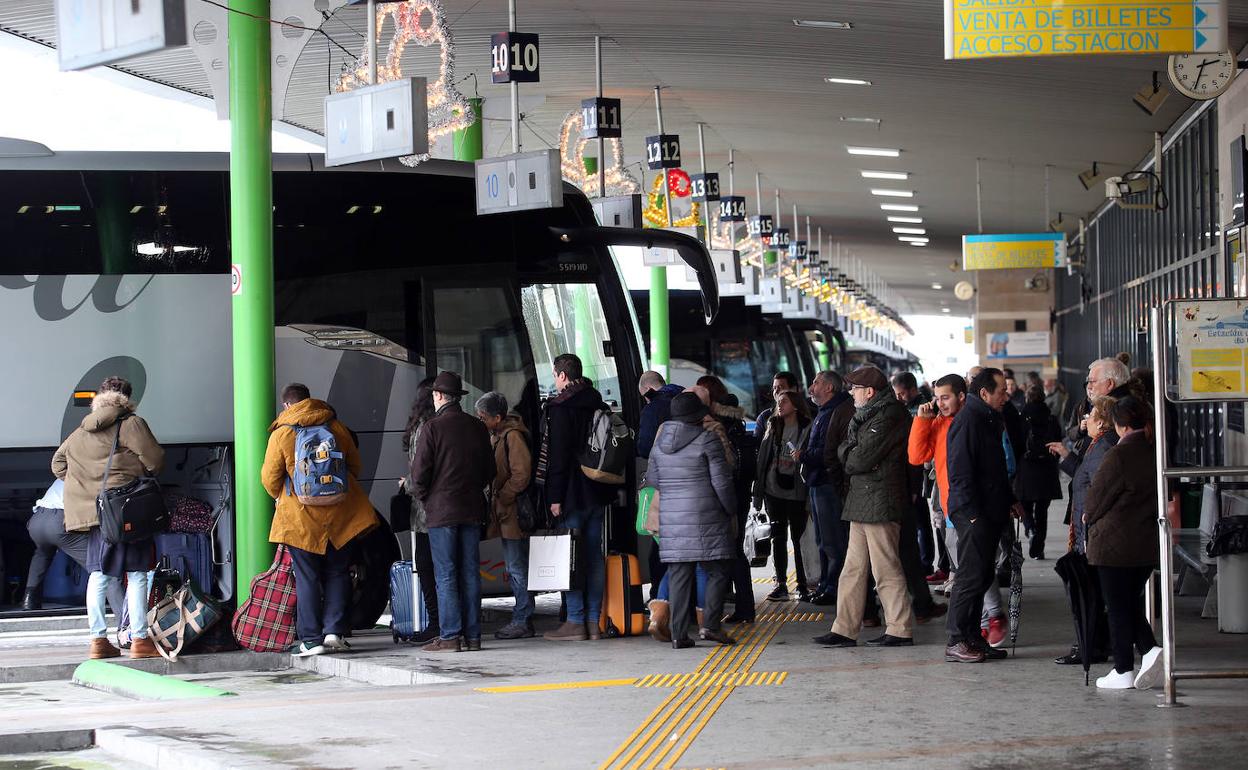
pixel 452 464
pixel 873 456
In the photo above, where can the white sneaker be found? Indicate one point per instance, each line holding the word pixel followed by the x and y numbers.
pixel 1150 670
pixel 305 650
pixel 335 643
pixel 1115 681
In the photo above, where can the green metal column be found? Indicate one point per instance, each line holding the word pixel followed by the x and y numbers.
pixel 468 143
pixel 660 330
pixel 251 248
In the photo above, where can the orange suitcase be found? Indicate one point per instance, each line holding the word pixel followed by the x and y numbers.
pixel 623 607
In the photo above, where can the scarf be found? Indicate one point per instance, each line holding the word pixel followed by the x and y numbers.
pixel 543 452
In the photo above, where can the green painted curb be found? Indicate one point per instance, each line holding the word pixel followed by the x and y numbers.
pixel 132 683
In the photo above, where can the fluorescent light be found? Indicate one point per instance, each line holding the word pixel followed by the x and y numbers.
pixel 909 231
pixel 879 152
pixel 907 220
pixel 898 207
pixel 901 175
pixel 913 238
pixel 847 81
pixel 853 119
pixel 892 193
pixel 944 310
pixel 937 286
pixel 917 243
pixel 820 24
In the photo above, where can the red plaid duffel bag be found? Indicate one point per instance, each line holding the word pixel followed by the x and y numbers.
pixel 266 621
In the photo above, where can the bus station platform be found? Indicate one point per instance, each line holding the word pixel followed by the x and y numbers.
pixel 774 700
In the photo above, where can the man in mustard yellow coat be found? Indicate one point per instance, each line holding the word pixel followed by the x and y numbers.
pixel 321 510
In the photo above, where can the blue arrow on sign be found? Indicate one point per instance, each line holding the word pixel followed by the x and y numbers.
pixel 1200 15
pixel 1200 40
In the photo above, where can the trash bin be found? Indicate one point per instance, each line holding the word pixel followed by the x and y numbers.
pixel 1229 545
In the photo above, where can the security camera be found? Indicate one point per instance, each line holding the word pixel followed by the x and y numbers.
pixel 1116 187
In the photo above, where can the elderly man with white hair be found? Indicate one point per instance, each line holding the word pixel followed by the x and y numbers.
pixel 1106 377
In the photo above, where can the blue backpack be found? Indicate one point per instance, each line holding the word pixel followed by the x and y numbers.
pixel 320 476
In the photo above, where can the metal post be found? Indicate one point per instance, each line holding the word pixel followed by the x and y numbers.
pixel 251 308
pixel 660 331
pixel 515 87
pixel 1170 697
pixel 602 144
pixel 372 42
pixel 706 205
pixel 979 197
pixel 776 225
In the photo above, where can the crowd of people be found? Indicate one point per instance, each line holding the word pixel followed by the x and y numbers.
pixel 909 489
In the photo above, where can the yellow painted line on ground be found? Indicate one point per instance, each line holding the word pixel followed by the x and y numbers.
pixel 557 686
pixel 691 734
pixel 702 697
pixel 675 697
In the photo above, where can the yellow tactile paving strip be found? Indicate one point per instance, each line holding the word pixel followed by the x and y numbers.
pixel 668 731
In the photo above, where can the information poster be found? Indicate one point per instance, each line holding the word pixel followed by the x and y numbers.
pixel 1018 344
pixel 1212 339
pixel 1006 252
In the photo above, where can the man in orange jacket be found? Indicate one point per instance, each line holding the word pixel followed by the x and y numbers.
pixel 929 430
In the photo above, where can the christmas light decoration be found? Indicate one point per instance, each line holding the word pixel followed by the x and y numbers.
pixel 655 213
pixel 572 161
pixel 422 22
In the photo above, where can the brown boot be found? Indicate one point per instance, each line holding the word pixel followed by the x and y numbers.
pixel 699 614
pixel 568 632
pixel 660 621
pixel 142 647
pixel 102 648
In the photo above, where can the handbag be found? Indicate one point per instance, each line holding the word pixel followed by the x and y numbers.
pixel 647 498
pixel 757 544
pixel 554 560
pixel 180 618
pixel 526 501
pixel 132 512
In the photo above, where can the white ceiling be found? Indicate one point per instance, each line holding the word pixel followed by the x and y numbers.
pixel 756 80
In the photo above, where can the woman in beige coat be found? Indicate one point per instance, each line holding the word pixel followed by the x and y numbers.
pixel 80 462
pixel 514 466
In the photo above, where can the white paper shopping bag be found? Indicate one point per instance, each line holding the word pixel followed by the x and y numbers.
pixel 552 559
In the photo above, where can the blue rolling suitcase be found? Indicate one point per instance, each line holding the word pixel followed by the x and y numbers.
pixel 190 554
pixel 65 582
pixel 408 615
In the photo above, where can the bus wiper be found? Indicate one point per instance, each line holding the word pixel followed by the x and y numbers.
pixel 690 250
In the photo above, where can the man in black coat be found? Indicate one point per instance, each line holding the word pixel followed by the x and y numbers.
pixel 980 504
pixel 576 501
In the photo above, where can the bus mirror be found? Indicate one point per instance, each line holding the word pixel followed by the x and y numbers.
pixel 690 250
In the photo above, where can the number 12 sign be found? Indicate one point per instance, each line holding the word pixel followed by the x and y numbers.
pixel 662 151
pixel 515 58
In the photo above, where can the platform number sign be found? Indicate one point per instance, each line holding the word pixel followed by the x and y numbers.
pixel 662 151
pixel 761 226
pixel 732 208
pixel 704 187
pixel 797 250
pixel 600 118
pixel 780 239
pixel 515 58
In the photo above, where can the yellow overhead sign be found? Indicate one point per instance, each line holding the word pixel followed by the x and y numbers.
pixel 1004 252
pixel 979 29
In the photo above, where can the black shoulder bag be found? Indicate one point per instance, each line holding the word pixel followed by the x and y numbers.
pixel 132 512
pixel 526 505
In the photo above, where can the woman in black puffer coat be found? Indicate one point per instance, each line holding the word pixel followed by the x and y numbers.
pixel 697 505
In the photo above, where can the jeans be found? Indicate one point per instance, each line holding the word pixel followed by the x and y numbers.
pixel 664 592
pixel 585 604
pixel 457 564
pixel 137 588
pixel 322 592
pixel 977 564
pixel 831 534
pixel 1123 589
pixel 682 576
pixel 787 516
pixel 516 553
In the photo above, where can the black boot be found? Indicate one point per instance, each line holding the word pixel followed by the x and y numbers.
pixel 33 599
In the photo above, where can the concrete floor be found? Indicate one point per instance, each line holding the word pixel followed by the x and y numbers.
pixel 859 708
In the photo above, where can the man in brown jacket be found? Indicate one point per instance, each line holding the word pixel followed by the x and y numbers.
pixel 319 536
pixel 452 466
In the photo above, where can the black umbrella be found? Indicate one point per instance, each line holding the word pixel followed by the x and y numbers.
pixel 1016 584
pixel 1085 602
